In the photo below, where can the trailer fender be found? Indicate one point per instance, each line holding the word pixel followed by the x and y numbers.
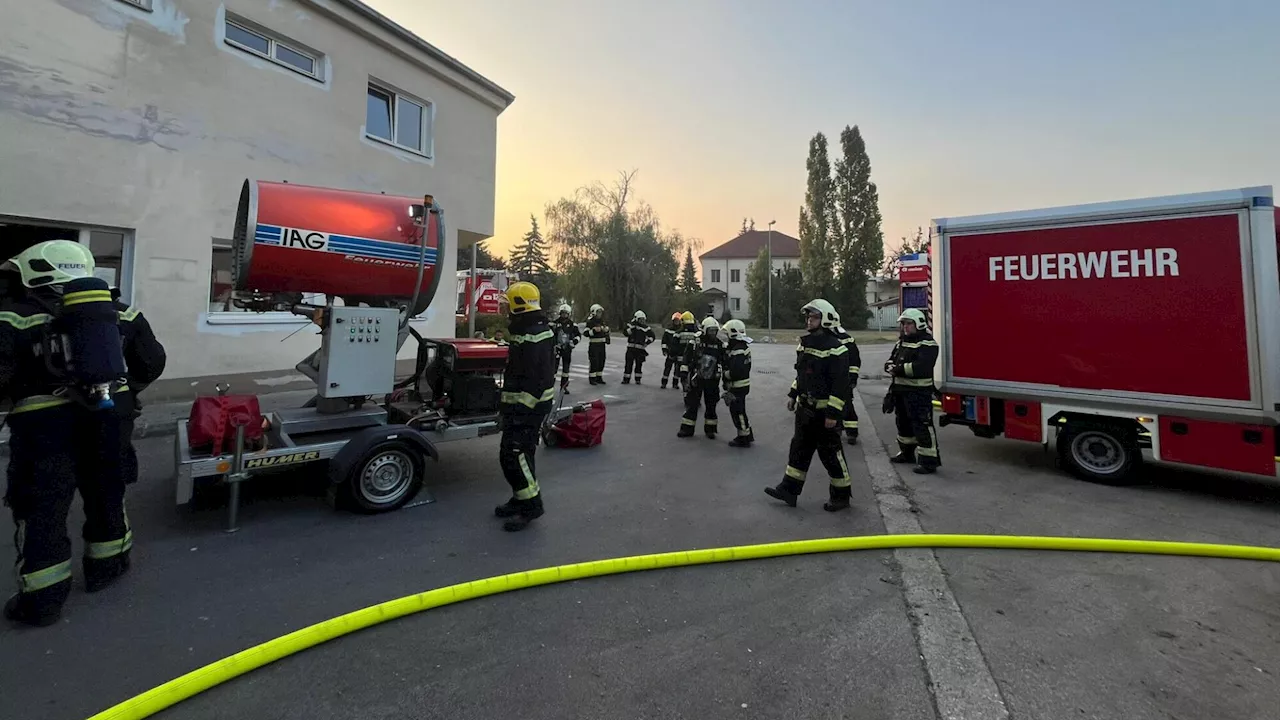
pixel 362 442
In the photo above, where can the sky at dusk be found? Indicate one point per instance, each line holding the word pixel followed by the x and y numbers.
pixel 966 107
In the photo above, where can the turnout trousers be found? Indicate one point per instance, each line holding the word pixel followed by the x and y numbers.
pixel 737 402
pixel 566 359
pixel 55 451
pixel 595 362
pixel 670 366
pixel 634 360
pixel 516 452
pixel 812 435
pixel 704 392
pixel 850 417
pixel 913 414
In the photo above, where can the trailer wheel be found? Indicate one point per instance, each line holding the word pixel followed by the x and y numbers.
pixel 1099 453
pixel 389 475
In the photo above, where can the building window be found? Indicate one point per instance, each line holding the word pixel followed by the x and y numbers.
pixel 715 276
pixel 240 35
pixel 140 4
pixel 737 302
pixel 735 276
pixel 112 249
pixel 399 120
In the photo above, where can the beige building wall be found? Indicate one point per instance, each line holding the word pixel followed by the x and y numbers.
pixel 143 123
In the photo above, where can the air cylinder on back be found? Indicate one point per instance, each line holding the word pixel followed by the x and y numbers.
pixel 92 347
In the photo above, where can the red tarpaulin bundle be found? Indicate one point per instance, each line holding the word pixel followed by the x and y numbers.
pixel 582 429
pixel 213 421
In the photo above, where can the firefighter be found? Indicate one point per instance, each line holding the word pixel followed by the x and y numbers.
pixel 145 358
pixel 855 361
pixel 688 339
pixel 598 336
pixel 705 359
pixel 528 389
pixel 62 439
pixel 639 338
pixel 817 399
pixel 910 365
pixel 567 338
pixel 671 351
pixel 737 381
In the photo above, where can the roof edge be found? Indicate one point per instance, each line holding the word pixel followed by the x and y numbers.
pixel 432 51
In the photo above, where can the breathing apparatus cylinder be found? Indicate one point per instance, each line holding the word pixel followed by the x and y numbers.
pixel 90 347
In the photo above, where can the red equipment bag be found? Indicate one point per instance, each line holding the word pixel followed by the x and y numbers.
pixel 213 420
pixel 582 429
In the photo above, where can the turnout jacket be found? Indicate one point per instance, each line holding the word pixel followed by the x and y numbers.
pixel 855 355
pixel 686 340
pixel 911 362
pixel 567 335
pixel 701 347
pixel 737 371
pixel 822 373
pixel 528 383
pixel 639 336
pixel 671 341
pixel 597 331
pixel 26 381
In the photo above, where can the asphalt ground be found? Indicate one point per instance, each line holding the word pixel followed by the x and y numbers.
pixel 1061 635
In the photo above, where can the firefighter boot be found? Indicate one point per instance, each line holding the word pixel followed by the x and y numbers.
pixel 663 386
pixel 98 574
pixel 788 491
pixel 839 499
pixel 529 511
pixel 510 508
pixel 742 441
pixel 851 436
pixel 15 610
pixel 626 379
pixel 709 431
pixel 904 457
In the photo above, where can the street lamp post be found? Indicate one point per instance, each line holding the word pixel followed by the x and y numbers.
pixel 769 253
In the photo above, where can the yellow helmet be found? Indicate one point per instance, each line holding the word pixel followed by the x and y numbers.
pixel 53 262
pixel 686 317
pixel 523 297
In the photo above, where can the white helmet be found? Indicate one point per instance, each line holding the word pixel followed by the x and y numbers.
pixel 915 316
pixel 53 262
pixel 640 316
pixel 736 330
pixel 830 318
pixel 597 310
pixel 709 323
pixel 566 310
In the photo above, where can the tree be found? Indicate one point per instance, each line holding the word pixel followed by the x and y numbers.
pixel 906 246
pixel 484 260
pixel 788 293
pixel 613 251
pixel 688 283
pixel 857 242
pixel 816 258
pixel 529 258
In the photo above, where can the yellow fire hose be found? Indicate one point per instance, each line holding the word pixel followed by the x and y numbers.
pixel 216 673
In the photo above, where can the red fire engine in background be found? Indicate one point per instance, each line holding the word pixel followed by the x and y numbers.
pixel 1124 331
pixel 488 295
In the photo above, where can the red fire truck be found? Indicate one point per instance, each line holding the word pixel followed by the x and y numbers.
pixel 1124 331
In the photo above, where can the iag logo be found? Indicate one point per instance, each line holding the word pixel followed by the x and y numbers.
pixel 305 239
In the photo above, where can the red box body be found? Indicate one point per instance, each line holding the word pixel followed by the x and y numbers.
pixel 1226 446
pixel 1145 334
pixel 1022 421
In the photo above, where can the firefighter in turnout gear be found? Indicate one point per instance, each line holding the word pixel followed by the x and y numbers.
pixel 671 351
pixel 817 398
pixel 705 359
pixel 910 365
pixel 528 389
pixel 855 361
pixel 639 337
pixel 567 338
pixel 597 337
pixel 58 323
pixel 688 339
pixel 737 381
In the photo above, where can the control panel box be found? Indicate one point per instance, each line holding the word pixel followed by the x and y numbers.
pixel 359 352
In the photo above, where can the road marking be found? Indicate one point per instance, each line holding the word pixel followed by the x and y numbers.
pixel 962 685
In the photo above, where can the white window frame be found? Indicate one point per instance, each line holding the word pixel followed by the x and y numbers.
pixel 143 5
pixel 274 41
pixel 396 95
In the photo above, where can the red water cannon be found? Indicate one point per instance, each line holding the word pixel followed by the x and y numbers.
pixel 371 248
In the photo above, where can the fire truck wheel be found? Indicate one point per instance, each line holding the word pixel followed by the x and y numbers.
pixel 389 475
pixel 1099 453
